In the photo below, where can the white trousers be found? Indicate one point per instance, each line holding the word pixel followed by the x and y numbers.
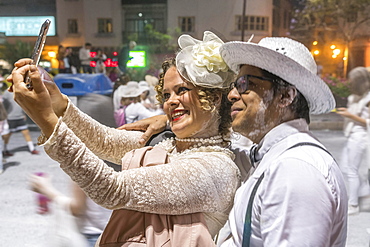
pixel 354 166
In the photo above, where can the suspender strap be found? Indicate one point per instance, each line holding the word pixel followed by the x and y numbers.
pixel 248 217
pixel 309 144
pixel 247 232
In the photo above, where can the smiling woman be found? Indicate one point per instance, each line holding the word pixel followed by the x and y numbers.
pixel 182 189
pixel 193 111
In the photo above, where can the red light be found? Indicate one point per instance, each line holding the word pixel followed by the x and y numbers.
pixel 115 53
pixel 92 53
pixel 92 63
pixel 108 62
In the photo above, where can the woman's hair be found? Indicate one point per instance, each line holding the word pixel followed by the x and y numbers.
pixel 207 98
pixel 360 80
pixel 299 105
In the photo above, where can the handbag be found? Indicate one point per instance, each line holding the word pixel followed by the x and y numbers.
pixel 133 228
pixel 120 116
pixel 65 230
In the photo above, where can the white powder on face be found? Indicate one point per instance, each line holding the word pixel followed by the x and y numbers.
pixel 260 126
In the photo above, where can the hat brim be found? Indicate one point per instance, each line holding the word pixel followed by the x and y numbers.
pixel 314 89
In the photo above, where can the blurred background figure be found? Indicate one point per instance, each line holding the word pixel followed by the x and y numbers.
pixel 100 59
pixel 121 80
pixel 17 122
pixel 67 61
pixel 124 56
pixel 91 218
pixel 147 97
pixel 85 58
pixel 113 73
pixel 60 57
pixel 3 117
pixel 127 97
pixel 355 161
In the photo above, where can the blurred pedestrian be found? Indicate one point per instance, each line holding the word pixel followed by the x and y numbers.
pixel 354 162
pixel 3 117
pixel 60 58
pixel 147 97
pixel 85 58
pixel 113 73
pixel 17 122
pixel 128 96
pixel 67 61
pixel 124 56
pixel 91 217
pixel 100 58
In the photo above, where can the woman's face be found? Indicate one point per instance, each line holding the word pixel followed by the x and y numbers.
pixel 183 109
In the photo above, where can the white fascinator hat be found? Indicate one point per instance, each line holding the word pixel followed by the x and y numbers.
pixel 200 62
pixel 287 59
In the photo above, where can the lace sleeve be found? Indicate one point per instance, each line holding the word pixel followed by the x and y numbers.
pixel 192 182
pixel 106 142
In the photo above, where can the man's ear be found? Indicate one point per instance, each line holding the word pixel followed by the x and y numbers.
pixel 287 96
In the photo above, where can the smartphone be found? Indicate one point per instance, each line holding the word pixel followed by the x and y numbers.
pixel 37 50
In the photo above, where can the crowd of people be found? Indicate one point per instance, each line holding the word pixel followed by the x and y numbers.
pixel 73 62
pixel 192 188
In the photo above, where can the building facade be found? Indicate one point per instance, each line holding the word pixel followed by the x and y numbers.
pixel 110 24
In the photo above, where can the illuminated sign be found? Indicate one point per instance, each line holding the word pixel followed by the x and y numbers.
pixel 25 25
pixel 138 59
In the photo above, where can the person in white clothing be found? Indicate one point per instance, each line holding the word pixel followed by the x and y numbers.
pixel 85 58
pixel 91 217
pixel 295 193
pixel 128 96
pixel 300 197
pixel 354 162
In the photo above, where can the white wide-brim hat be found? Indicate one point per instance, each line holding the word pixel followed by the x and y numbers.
pixel 144 86
pixel 287 59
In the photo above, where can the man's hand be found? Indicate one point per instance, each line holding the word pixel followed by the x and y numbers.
pixel 149 126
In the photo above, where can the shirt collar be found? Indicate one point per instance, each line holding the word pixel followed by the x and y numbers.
pixel 274 136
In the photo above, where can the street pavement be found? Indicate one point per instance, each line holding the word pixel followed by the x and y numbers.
pixel 21 226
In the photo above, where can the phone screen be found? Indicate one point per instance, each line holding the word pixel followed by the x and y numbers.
pixel 37 50
pixel 39 45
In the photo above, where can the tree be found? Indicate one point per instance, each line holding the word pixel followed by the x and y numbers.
pixel 12 52
pixel 326 20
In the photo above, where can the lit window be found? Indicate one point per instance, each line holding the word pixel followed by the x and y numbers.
pixel 252 23
pixel 105 25
pixel 72 26
pixel 187 24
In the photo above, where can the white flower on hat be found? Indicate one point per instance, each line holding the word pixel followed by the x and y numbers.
pixel 208 54
pixel 200 62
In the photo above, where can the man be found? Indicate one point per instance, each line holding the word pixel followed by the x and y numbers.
pixel 301 197
pixel 295 188
pixel 85 58
pixel 124 56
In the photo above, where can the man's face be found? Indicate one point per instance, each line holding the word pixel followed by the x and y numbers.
pixel 254 112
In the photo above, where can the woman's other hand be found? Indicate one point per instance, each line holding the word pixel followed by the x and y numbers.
pixel 35 102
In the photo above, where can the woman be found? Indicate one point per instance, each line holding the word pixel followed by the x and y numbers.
pixel 354 159
pixel 198 174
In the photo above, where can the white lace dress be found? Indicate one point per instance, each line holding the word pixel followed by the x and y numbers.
pixel 197 180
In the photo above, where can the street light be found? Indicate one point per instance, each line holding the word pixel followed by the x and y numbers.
pixel 243 18
pixel 336 52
